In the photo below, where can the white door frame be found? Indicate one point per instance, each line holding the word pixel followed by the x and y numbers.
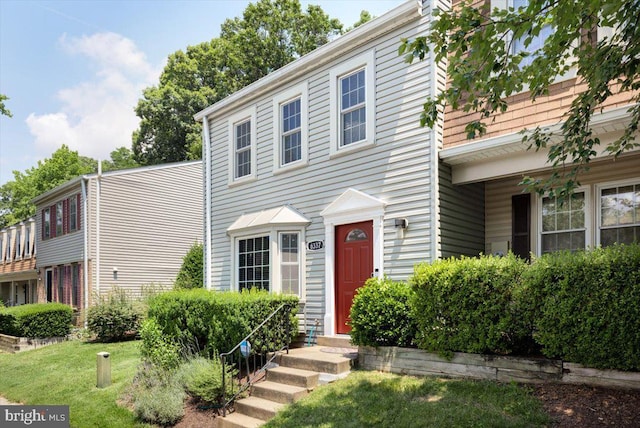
pixel 352 206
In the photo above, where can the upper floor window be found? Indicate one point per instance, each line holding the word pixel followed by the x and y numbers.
pixel 564 224
pixel 59 218
pixel 242 151
pixel 46 223
pixel 620 214
pixel 352 99
pixel 27 241
pixel 290 130
pixel 18 244
pixel 536 43
pixel 8 250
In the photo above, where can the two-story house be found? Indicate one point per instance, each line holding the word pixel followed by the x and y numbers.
pixel 606 209
pixel 319 176
pixel 18 275
pixel 126 229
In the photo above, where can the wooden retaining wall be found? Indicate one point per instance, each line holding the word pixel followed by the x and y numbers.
pixel 494 367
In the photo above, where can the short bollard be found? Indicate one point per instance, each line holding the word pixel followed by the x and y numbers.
pixel 104 369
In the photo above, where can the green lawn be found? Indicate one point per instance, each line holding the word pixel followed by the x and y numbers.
pixel 371 399
pixel 66 374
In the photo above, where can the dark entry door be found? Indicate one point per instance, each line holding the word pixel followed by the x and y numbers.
pixel 354 264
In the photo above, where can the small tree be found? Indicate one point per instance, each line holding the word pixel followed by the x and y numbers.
pixel 191 273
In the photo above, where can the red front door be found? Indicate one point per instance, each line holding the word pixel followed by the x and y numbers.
pixel 354 264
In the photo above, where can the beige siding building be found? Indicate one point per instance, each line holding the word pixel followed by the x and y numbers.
pixel 126 229
pixel 18 275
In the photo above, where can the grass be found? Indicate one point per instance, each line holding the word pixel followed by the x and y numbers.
pixel 65 374
pixel 388 400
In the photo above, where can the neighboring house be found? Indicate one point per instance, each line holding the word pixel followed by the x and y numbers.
pixel 319 175
pixel 18 275
pixel 127 229
pixel 606 209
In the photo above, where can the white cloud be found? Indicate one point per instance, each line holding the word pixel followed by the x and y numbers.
pixel 97 115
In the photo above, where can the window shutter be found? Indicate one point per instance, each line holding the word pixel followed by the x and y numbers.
pixel 42 227
pixel 65 216
pixel 78 211
pixel 53 221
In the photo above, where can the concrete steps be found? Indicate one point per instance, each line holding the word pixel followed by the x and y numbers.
pixel 296 375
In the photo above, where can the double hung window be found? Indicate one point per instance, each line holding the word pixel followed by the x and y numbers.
pixel 242 146
pixel 620 214
pixel 564 224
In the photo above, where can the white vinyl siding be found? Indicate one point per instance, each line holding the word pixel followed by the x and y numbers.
pixel 395 169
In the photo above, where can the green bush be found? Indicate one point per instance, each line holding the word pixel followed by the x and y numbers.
pixel 158 349
pixel 213 322
pixel 115 317
pixel 202 378
pixel 381 314
pixel 466 305
pixel 586 306
pixel 37 320
pixel 191 274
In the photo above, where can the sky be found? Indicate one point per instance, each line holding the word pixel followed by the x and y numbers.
pixel 74 70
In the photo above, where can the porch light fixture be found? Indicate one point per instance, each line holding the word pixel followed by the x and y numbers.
pixel 401 223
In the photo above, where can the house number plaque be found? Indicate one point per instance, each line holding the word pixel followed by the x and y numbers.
pixel 315 245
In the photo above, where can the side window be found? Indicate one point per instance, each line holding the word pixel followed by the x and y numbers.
pixel 564 224
pixel 290 263
pixel 352 104
pixel 619 214
pixel 242 147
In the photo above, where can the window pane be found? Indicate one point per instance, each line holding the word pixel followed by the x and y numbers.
pixel 253 263
pixel 356 235
pixel 289 263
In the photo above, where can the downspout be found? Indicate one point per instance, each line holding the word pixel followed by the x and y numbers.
pixel 85 270
pixel 206 146
pixel 98 194
pixel 434 146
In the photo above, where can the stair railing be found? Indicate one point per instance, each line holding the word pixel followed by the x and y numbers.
pixel 243 347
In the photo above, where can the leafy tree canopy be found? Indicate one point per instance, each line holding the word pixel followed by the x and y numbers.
pixel 63 165
pixel 270 34
pixel 483 71
pixel 3 109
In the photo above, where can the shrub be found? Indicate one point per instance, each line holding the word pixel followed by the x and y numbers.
pixel 191 274
pixel 466 305
pixel 215 322
pixel 158 397
pixel 202 378
pixel 586 306
pixel 115 316
pixel 37 320
pixel 381 315
pixel 158 349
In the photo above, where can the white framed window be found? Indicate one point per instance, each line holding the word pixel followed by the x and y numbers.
pixel 8 249
pixel 564 226
pixel 619 213
pixel 242 147
pixel 46 223
pixel 18 245
pixel 289 248
pixel 537 42
pixel 352 104
pixel 254 263
pixel 290 131
pixel 59 218
pixel 73 213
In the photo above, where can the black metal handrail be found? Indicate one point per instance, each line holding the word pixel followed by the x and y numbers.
pixel 251 379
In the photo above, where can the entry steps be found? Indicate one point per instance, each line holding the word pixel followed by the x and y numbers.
pixel 297 374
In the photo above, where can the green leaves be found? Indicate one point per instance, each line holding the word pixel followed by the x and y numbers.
pixel 484 71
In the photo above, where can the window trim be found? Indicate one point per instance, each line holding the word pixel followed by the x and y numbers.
pixel 300 91
pixel 598 195
pixel 366 62
pixel 248 114
pixel 275 279
pixel 587 219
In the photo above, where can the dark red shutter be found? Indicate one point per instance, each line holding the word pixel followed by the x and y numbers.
pixel 65 216
pixel 42 227
pixel 78 212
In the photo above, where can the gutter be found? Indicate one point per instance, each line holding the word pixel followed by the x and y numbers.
pixel 207 208
pixel 85 271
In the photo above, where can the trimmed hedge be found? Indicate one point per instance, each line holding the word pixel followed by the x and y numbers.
pixel 586 306
pixel 37 320
pixel 466 305
pixel 381 315
pixel 115 316
pixel 213 322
